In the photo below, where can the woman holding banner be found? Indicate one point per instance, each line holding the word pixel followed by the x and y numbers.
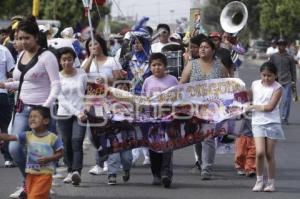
pixel 137 71
pixel 204 68
pixel 101 69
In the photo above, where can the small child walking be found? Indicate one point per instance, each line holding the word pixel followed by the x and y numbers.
pixel 161 163
pixel 43 150
pixel 266 124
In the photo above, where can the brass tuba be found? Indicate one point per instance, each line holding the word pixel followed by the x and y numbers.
pixel 234 17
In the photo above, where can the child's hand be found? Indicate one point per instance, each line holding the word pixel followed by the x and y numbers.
pixel 43 161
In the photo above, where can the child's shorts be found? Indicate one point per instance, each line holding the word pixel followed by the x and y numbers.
pixel 38 186
pixel 272 131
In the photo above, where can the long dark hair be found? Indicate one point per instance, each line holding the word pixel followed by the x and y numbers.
pixel 102 43
pixel 30 26
pixel 269 66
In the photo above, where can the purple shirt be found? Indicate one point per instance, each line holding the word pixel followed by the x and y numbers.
pixel 153 85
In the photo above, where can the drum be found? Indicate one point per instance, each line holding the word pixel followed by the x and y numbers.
pixel 174 53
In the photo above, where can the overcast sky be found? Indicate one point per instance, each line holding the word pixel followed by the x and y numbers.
pixel 158 10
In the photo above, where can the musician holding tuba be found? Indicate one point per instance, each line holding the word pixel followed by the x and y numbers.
pixel 233 19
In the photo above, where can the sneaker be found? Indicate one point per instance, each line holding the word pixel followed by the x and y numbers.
pixel 52 192
pixel 126 175
pixel 156 180
pixel 251 174
pixel 146 161
pixel 97 170
pixel 76 179
pixel 112 179
pixel 23 195
pixel 58 176
pixel 166 181
pixel 68 179
pixel 105 166
pixel 241 172
pixel 205 175
pixel 8 164
pixel 259 185
pixel 17 193
pixel 269 187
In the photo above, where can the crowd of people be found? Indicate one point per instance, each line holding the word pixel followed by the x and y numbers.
pixel 43 109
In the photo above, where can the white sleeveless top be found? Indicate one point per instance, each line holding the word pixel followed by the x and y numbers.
pixel 261 96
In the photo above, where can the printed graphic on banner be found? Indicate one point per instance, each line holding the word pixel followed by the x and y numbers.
pixel 178 117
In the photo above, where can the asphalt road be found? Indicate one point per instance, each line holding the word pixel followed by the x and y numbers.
pixel 225 183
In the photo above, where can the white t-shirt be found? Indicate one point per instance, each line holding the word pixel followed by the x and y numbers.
pixel 298 55
pixel 71 98
pixel 261 96
pixel 7 63
pixel 271 50
pixel 156 47
pixel 105 70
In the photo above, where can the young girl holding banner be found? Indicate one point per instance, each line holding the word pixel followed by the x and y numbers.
pixel 266 124
pixel 161 163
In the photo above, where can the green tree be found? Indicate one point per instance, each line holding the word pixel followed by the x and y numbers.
pixel 10 8
pixel 280 18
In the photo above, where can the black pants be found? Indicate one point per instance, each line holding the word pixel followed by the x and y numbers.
pixel 161 163
pixel 5 116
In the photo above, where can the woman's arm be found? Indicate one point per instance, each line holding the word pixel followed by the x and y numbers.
pixel 86 65
pixel 186 73
pixel 52 68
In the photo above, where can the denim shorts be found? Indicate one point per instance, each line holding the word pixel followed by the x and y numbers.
pixel 272 131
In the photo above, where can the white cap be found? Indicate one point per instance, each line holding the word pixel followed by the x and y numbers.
pixel 43 28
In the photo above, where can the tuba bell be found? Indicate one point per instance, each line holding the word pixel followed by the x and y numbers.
pixel 234 17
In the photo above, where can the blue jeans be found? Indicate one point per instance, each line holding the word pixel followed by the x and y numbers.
pixel 116 159
pixel 72 135
pixel 20 124
pixel 205 152
pixel 286 100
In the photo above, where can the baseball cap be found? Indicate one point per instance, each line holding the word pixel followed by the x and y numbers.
pixel 281 41
pixel 215 34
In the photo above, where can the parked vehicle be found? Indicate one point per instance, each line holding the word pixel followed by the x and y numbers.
pixel 258 49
